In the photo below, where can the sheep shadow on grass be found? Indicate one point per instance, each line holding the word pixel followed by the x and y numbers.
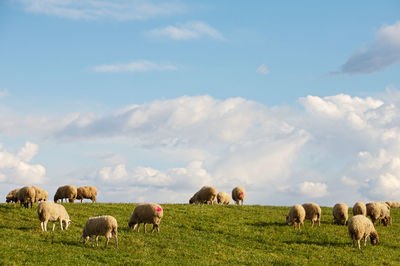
pixel 314 242
pixel 265 224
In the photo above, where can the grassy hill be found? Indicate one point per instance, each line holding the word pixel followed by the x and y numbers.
pixel 191 234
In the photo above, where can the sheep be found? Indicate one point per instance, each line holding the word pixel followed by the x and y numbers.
pixel 296 216
pixel 313 212
pixel 359 208
pixel 393 204
pixel 379 211
pixel 26 195
pixel 101 225
pixel 238 194
pixel 41 194
pixel 223 198
pixel 49 211
pixel 361 227
pixel 340 212
pixel 87 192
pixel 206 195
pixel 150 213
pixel 12 196
pixel 66 192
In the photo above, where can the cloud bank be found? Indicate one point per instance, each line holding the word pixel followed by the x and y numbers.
pixel 331 148
pixel 382 53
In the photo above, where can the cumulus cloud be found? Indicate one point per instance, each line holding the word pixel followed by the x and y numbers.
pixel 120 10
pixel 382 53
pixel 336 146
pixel 313 190
pixel 262 69
pixel 16 168
pixel 187 31
pixel 192 176
pixel 135 66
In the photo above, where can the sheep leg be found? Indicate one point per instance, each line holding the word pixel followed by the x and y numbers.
pixel 42 225
pixel 365 241
pixel 116 240
pixel 144 226
pixel 61 224
pixel 107 239
pixel 92 240
pixel 97 241
pixel 358 241
pixel 45 226
pixel 54 225
pixel 138 225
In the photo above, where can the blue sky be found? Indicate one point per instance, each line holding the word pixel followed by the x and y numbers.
pixel 162 97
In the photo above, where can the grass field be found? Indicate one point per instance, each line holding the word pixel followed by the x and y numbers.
pixel 191 234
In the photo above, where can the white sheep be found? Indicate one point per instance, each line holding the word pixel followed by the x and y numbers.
pixel 393 204
pixel 361 227
pixel 379 211
pixel 49 211
pixel 313 213
pixel 206 195
pixel 26 195
pixel 41 194
pixel 238 194
pixel 223 198
pixel 87 192
pixel 12 196
pixel 66 192
pixel 359 208
pixel 296 216
pixel 101 225
pixel 146 213
pixel 340 213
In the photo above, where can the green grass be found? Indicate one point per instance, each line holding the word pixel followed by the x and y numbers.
pixel 191 234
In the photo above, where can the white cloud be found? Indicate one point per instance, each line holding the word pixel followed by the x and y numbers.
pixel 187 31
pixel 16 169
pixel 135 66
pixel 347 144
pixel 192 176
pixel 382 53
pixel 120 10
pixel 262 69
pixel 313 190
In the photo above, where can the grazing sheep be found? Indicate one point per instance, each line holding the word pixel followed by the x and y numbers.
pixel 360 208
pixel 101 225
pixel 66 192
pixel 206 195
pixel 87 192
pixel 340 212
pixel 393 204
pixel 361 227
pixel 313 212
pixel 296 216
pixel 12 196
pixel 223 198
pixel 379 211
pixel 146 213
pixel 49 211
pixel 238 194
pixel 41 194
pixel 26 195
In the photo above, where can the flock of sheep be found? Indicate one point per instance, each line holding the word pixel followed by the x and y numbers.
pixel 146 213
pixel 359 226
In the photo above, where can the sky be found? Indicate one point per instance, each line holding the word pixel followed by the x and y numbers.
pixel 151 100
